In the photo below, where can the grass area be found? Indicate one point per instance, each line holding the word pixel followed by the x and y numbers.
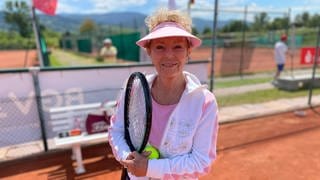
pixel 61 58
pixel 262 96
pixel 241 82
pixel 54 62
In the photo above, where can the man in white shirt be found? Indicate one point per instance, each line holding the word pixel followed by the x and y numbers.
pixel 108 51
pixel 280 51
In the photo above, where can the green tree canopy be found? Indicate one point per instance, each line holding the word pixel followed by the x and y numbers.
pixel 307 20
pixel 305 17
pixel 17 15
pixel 314 21
pixel 195 31
pixel 206 31
pixel 279 23
pixel 234 26
pixel 88 27
pixel 260 21
pixel 302 19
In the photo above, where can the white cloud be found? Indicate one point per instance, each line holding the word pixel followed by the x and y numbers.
pixel 97 6
pixel 234 9
pixel 204 8
pixel 227 3
pixel 66 7
pixel 112 5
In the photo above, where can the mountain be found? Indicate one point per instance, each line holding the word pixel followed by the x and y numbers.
pixel 72 22
pixel 200 24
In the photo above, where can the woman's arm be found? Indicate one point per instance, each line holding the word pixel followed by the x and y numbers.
pixel 198 161
pixel 116 138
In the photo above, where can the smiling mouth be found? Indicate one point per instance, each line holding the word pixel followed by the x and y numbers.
pixel 169 64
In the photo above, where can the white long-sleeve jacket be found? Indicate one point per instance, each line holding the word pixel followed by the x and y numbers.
pixel 188 147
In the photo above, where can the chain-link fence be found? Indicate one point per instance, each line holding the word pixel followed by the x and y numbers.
pixel 238 43
pixel 27 95
pixel 125 44
pixel 244 63
pixel 25 121
pixel 246 38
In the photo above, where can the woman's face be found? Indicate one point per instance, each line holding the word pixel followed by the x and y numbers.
pixel 169 55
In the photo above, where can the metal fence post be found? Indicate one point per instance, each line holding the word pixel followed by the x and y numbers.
pixel 214 42
pixel 244 28
pixel 316 58
pixel 35 72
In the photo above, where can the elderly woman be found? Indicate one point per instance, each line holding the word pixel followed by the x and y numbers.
pixel 184 114
pixel 108 51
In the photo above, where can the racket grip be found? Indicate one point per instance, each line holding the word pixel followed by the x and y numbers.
pixel 124 174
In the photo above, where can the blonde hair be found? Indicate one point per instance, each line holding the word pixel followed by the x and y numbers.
pixel 166 15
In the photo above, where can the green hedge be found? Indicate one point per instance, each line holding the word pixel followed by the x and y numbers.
pixel 14 41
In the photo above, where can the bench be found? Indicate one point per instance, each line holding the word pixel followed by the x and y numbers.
pixel 62 120
pixel 294 83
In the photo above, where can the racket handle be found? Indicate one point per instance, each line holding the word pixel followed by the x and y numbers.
pixel 124 174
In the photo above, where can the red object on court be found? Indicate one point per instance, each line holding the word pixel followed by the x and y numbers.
pixel 75 132
pixel 283 37
pixel 308 55
pixel 46 6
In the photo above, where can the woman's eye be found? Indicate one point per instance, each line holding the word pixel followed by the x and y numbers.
pixel 159 47
pixel 178 48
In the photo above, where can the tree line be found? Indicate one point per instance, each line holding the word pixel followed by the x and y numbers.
pixel 262 22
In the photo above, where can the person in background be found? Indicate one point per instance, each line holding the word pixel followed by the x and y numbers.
pixel 280 52
pixel 184 112
pixel 108 51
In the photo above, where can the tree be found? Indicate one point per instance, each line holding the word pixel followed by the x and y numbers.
pixel 234 26
pixel 314 21
pixel 17 15
pixel 298 21
pixel 206 31
pixel 260 21
pixel 88 27
pixel 305 17
pixel 195 31
pixel 279 23
pixel 302 20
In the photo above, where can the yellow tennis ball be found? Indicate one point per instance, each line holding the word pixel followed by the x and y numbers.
pixel 154 152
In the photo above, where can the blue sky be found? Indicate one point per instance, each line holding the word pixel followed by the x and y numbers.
pixel 147 6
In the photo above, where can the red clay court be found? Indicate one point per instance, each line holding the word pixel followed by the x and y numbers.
pixel 227 61
pixel 17 58
pixel 282 146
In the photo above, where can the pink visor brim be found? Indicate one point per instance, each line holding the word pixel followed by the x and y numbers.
pixel 169 29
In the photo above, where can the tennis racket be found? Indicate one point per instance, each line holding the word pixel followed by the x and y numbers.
pixel 137 114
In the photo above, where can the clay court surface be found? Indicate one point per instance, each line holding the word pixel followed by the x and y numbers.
pixel 278 147
pixel 227 60
pixel 231 61
pixel 17 58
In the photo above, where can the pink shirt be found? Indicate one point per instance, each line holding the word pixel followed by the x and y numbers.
pixel 188 146
pixel 160 117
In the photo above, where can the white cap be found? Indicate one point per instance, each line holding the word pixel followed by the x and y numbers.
pixel 107 41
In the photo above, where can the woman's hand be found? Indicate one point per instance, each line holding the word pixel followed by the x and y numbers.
pixel 137 164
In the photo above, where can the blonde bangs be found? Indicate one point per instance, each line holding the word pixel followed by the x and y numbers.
pixel 165 15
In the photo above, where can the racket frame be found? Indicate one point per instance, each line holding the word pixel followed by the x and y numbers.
pixel 148 109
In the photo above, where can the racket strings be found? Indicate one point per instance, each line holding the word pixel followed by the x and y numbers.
pixel 137 114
